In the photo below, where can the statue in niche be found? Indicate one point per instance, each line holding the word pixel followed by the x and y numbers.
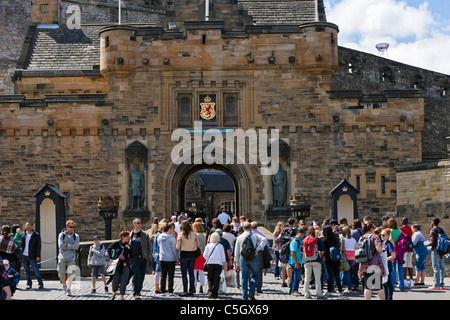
pixel 279 189
pixel 137 188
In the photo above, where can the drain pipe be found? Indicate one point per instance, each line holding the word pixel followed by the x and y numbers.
pixel 206 10
pixel 120 10
pixel 316 10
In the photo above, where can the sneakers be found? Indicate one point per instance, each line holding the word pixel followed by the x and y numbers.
pixel 106 288
pixel 297 294
pixel 69 293
pixel 65 288
pixel 435 288
pixel 93 291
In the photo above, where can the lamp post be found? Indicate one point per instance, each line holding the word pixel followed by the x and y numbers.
pixel 108 207
pixel 300 206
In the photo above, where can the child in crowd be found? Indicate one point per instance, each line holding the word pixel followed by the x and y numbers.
pixel 96 259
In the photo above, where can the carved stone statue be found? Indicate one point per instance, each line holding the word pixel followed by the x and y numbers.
pixel 137 188
pixel 279 189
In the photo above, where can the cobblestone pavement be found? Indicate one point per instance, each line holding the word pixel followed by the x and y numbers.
pixel 272 290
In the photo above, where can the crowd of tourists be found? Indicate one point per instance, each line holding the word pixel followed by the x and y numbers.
pixel 331 258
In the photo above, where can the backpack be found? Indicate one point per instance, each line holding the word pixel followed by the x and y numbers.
pixel 287 234
pixel 310 248
pixel 363 253
pixel 409 244
pixel 335 254
pixel 248 250
pixel 443 244
pixel 285 251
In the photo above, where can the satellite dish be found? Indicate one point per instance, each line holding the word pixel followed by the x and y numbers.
pixel 382 48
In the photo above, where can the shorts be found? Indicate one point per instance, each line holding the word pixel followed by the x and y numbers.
pixel 282 265
pixel 64 266
pixel 408 260
pixel 373 281
pixel 97 270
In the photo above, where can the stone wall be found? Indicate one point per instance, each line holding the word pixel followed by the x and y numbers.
pixel 373 74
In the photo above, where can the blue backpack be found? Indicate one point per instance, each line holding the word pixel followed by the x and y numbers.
pixel 335 254
pixel 443 244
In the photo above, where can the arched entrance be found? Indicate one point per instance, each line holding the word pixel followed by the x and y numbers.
pixel 178 175
pixel 212 191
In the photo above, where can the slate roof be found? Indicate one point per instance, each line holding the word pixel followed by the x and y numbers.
pixel 215 181
pixel 62 48
pixel 279 11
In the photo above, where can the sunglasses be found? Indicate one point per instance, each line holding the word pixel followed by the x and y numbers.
pixel 71 227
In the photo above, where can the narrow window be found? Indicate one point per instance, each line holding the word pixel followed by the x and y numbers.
pixel 184 111
pixel 230 114
pixel 383 184
pixel 358 182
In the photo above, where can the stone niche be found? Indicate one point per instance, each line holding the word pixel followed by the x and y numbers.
pixel 135 198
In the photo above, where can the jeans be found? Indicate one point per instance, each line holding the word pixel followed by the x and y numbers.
pixel 276 270
pixel 26 268
pixel 315 267
pixel 296 277
pixel 388 288
pixel 167 268
pixel 139 267
pixel 249 268
pixel 397 266
pixel 437 261
pixel 347 279
pixel 187 267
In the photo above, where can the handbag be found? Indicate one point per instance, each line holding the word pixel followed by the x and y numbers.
pixel 198 252
pixel 205 266
pixel 343 265
pixel 112 267
pixel 230 277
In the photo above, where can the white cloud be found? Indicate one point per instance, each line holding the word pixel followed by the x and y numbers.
pixel 413 34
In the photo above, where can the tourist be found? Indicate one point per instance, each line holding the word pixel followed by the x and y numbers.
pixel 373 270
pixel 331 239
pixel 13 277
pixel 31 254
pixel 155 256
pixel 421 252
pixel 97 261
pixel 254 226
pixel 408 257
pixel 153 232
pixel 224 217
pixel 227 234
pixel 312 263
pixel 388 247
pixel 242 220
pixel 295 261
pixel 140 256
pixel 397 265
pixel 276 246
pixel 437 259
pixel 287 233
pixel 348 247
pixel 249 266
pixel 68 244
pixel 120 250
pixel 235 224
pixel 7 245
pixel 16 232
pixel 200 261
pixel 214 256
pixel 187 244
pixel 168 257
pixel 4 282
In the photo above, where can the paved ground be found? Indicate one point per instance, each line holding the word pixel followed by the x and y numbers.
pixel 272 290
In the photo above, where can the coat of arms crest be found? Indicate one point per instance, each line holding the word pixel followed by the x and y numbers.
pixel 207 112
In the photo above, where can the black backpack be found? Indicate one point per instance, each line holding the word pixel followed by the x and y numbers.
pixel 248 250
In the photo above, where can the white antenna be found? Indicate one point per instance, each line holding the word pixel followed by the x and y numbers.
pixel 382 49
pixel 120 10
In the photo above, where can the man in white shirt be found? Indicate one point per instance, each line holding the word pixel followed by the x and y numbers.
pixel 224 217
pixel 250 266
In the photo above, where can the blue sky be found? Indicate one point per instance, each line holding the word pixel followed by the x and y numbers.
pixel 418 31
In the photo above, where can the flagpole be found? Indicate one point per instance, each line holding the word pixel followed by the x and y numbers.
pixel 120 10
